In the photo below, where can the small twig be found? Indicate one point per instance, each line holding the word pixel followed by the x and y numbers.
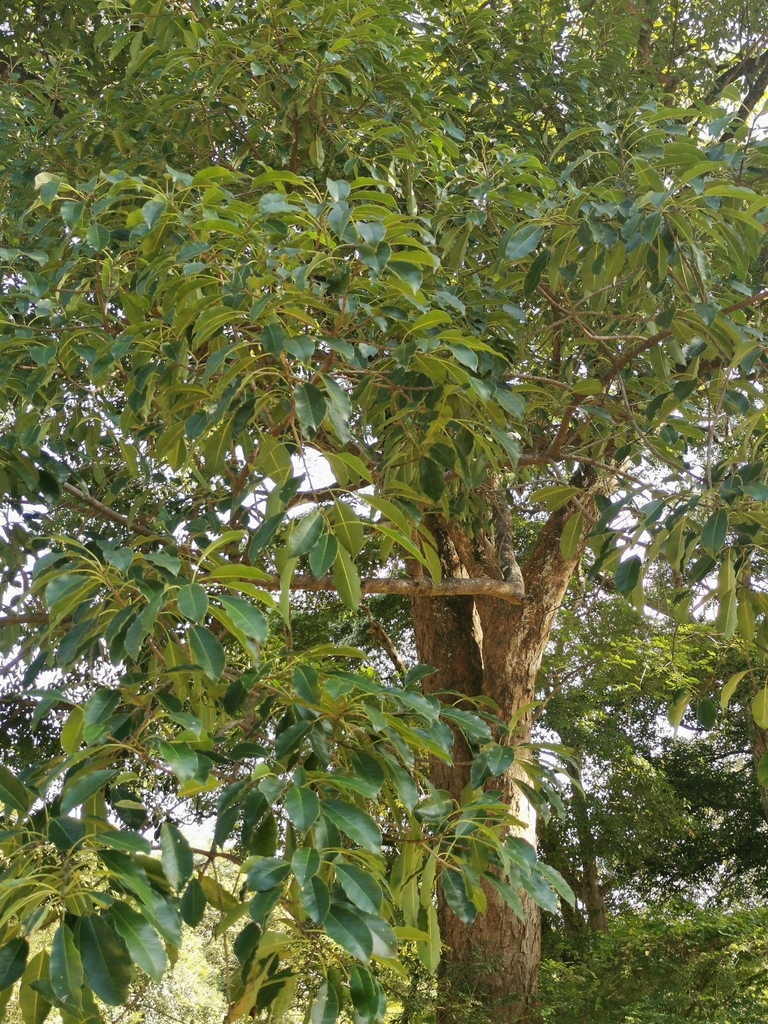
pixel 380 634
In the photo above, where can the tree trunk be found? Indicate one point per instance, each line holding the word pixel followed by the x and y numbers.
pixel 487 646
pixel 590 891
pixel 759 746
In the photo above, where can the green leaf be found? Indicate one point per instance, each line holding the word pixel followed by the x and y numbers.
pixel 34 1007
pixel 130 842
pixel 431 478
pixel 361 887
pixel 106 965
pixel 65 833
pixel 350 931
pixel 315 899
pixel 407 272
pixel 302 806
pixel 305 864
pixel 522 242
pixel 348 527
pixel 628 574
pixel 66 968
pixel 491 763
pixel 730 688
pixel 760 708
pixel 455 892
pixel 266 873
pixel 346 580
pixel 323 555
pixel 97 236
pixel 305 534
pixel 311 405
pixel 85 784
pixel 193 602
pixel 677 709
pixel 175 856
pixel 211 321
pixel 571 536
pixel 13 959
pixel 714 532
pixel 193 904
pixel 162 915
pixel 13 794
pixel 325 1008
pixel 366 993
pixel 353 822
pixel 706 713
pixel 245 617
pixel 207 652
pixel 762 771
pixel 140 937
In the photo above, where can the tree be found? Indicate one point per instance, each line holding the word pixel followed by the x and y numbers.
pixel 288 284
pixel 656 818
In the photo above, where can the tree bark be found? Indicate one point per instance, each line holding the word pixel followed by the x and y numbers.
pixel 758 739
pixel 486 646
pixel 589 890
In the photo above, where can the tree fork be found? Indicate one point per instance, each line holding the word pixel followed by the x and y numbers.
pixel 482 646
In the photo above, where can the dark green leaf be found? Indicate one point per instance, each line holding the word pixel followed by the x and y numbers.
pixel 305 535
pixel 354 822
pixel 193 904
pixel 361 887
pixel 706 713
pixel 350 931
pixel 628 574
pixel 323 554
pixel 302 806
pixel 714 532
pixel 305 864
pixel 455 892
pixel 311 405
pixel 267 873
pixel 245 617
pixel 106 965
pixel 315 899
pixel 84 785
pixel 13 960
pixel 366 993
pixel 193 602
pixel 207 652
pixel 66 968
pixel 141 939
pixel 14 794
pixel 175 856
pixel 431 478
pixel 522 242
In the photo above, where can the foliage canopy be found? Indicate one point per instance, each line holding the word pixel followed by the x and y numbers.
pixel 246 247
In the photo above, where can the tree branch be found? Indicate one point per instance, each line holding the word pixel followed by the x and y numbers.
pixel 109 513
pixel 421 587
pixel 627 357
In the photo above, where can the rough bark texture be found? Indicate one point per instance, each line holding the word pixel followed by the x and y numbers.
pixel 483 645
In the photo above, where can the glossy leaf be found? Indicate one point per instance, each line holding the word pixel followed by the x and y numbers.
pixel 107 967
pixel 175 855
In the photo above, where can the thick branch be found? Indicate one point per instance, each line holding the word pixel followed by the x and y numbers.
pixel 421 587
pixel 30 618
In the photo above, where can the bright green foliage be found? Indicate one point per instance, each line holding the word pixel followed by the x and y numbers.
pixel 416 248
